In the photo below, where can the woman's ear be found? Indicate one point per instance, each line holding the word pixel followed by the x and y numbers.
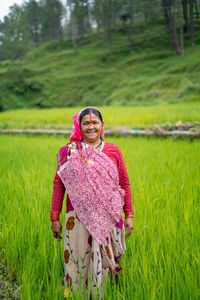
pixel 102 131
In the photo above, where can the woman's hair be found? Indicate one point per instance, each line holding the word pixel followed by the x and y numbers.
pixel 87 111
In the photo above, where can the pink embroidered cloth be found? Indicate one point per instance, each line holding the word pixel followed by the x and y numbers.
pixel 92 182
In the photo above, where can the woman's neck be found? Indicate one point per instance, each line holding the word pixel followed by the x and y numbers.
pixel 93 144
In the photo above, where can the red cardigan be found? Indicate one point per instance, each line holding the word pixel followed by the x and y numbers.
pixel 114 153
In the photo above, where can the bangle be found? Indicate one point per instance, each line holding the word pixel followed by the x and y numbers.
pixel 129 216
pixel 54 216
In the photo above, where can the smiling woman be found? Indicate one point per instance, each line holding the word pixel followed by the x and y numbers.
pixel 94 174
pixel 92 127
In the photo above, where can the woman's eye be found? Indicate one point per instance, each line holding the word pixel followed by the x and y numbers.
pixel 86 123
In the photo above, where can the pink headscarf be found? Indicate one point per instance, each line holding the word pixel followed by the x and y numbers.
pixel 76 133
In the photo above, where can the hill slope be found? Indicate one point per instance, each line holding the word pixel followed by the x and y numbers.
pixel 100 76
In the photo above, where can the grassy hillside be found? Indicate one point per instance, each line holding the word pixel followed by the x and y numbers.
pixel 98 75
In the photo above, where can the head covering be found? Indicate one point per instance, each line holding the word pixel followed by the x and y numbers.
pixel 76 133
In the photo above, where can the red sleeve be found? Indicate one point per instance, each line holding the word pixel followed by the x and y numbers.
pixel 57 198
pixel 114 153
pixel 125 185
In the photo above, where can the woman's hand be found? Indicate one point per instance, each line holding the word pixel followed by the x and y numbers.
pixel 56 227
pixel 128 223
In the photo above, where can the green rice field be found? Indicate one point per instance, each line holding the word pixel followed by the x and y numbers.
pixel 163 252
pixel 133 116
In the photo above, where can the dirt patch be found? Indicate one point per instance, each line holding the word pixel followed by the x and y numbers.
pixel 9 289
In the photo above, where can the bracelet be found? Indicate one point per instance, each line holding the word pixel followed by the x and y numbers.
pixel 130 216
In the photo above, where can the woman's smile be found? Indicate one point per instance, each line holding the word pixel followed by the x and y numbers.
pixel 91 132
pixel 91 127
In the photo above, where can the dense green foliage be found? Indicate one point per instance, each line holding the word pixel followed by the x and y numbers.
pixel 101 52
pixel 38 21
pixel 118 55
pixel 99 76
pixel 134 117
pixel 162 257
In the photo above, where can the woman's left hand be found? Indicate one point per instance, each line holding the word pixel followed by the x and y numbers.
pixel 128 223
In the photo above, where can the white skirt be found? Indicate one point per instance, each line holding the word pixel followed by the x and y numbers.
pixel 85 260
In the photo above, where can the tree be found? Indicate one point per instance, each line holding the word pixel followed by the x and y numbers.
pixel 196 9
pixel 181 28
pixel 173 28
pixel 127 16
pixel 3 28
pixel 149 8
pixel 103 13
pixel 33 20
pixel 166 14
pixel 72 19
pixel 191 2
pixel 185 14
pixel 81 13
pixel 14 40
pixel 52 11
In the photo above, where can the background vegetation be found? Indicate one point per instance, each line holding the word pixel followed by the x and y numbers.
pixel 138 61
pixel 99 53
pixel 162 258
pixel 134 117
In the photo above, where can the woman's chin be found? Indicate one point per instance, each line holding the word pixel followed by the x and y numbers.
pixel 91 138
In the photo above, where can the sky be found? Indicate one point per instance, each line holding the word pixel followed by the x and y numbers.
pixel 4 6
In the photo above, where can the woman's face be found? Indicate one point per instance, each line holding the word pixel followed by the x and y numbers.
pixel 91 127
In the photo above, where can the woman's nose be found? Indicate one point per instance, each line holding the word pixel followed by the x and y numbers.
pixel 91 125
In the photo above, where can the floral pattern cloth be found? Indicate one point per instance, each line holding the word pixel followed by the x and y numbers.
pixel 83 256
pixel 92 183
pixel 94 238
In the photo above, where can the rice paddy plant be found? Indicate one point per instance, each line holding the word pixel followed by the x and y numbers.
pixel 135 117
pixel 162 256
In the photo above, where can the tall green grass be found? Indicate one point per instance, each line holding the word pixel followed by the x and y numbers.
pixel 162 257
pixel 141 116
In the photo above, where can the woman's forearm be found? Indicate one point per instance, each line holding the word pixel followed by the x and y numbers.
pixel 57 198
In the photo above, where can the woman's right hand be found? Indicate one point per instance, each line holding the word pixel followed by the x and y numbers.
pixel 56 227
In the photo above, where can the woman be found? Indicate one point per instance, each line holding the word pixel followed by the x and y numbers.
pixel 94 174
